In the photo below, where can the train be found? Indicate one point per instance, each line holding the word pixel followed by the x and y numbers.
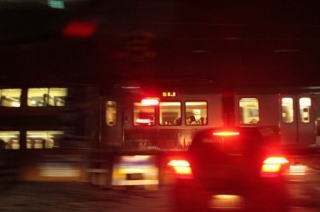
pixel 165 118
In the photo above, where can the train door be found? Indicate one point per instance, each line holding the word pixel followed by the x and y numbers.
pixel 297 120
pixel 257 110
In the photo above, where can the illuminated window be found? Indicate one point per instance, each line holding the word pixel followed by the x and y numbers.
pixel 10 97
pixel 10 140
pixel 111 113
pixel 57 96
pixel 249 110
pixel 43 139
pixel 170 113
pixel 305 106
pixel 196 113
pixel 41 97
pixel 287 110
pixel 143 115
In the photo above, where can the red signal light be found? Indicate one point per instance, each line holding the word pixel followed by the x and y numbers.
pixel 80 29
pixel 226 133
pixel 150 101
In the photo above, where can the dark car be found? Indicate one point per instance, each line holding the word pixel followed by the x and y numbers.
pixel 240 168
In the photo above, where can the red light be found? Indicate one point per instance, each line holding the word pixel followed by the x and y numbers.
pixel 183 163
pixel 226 133
pixel 181 167
pixel 150 101
pixel 272 165
pixel 80 29
pixel 276 160
pixel 143 121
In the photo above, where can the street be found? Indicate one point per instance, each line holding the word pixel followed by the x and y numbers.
pixel 63 197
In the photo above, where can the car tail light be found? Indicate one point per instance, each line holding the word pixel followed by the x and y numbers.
pixel 181 167
pixel 226 133
pixel 150 101
pixel 273 165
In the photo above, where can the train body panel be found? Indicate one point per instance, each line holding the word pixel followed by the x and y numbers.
pixel 168 120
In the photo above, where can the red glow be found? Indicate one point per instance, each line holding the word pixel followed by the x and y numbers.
pixel 276 160
pixel 143 121
pixel 226 133
pixel 150 101
pixel 80 29
pixel 179 163
pixel 272 165
pixel 181 167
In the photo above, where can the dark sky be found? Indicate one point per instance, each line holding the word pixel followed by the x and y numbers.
pixel 227 42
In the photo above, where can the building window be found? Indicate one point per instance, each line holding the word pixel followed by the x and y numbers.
pixel 170 113
pixel 249 110
pixel 9 140
pixel 305 105
pixel 196 113
pixel 143 115
pixel 10 97
pixel 57 96
pixel 111 113
pixel 41 97
pixel 43 139
pixel 287 110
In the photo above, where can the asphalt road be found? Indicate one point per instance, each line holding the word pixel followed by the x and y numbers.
pixel 63 197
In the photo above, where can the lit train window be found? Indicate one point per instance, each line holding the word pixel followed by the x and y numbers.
pixel 143 115
pixel 287 110
pixel 196 113
pixel 305 105
pixel 9 140
pixel 41 97
pixel 170 113
pixel 10 97
pixel 249 110
pixel 43 139
pixel 111 113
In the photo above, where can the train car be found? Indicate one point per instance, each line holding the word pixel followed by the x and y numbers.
pixel 143 118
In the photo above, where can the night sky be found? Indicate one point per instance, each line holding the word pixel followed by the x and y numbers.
pixel 224 42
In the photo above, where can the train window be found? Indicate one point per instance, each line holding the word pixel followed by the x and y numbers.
pixel 111 113
pixel 287 112
pixel 57 96
pixel 249 110
pixel 170 113
pixel 305 104
pixel 10 97
pixel 9 140
pixel 196 113
pixel 43 139
pixel 143 115
pixel 41 97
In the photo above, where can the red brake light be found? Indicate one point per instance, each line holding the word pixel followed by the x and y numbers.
pixel 181 167
pixel 276 160
pixel 150 101
pixel 226 133
pixel 143 121
pixel 272 165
